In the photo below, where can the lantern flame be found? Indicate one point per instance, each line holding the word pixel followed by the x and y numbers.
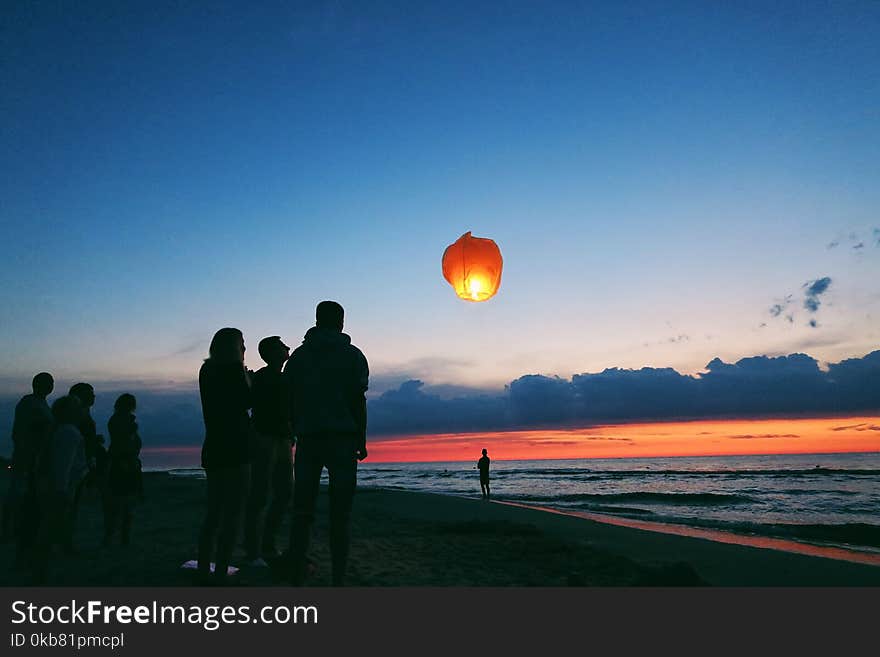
pixel 472 266
pixel 474 286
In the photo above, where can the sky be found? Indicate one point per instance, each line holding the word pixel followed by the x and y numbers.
pixel 668 184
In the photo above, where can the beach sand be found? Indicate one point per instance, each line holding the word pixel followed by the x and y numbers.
pixel 402 538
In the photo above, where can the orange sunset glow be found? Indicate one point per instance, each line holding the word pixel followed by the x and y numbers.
pixel 655 439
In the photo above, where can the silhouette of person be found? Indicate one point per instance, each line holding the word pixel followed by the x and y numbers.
pixel 59 474
pixel 96 458
pixel 483 466
pixel 328 377
pixel 225 392
pixel 271 458
pixel 31 430
pixel 123 470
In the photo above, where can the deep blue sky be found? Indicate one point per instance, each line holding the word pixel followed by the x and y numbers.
pixel 658 177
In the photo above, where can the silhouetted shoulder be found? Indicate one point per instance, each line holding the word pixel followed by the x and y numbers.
pixel 361 365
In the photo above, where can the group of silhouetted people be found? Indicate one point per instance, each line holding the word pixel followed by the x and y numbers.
pixel 315 397
pixel 57 456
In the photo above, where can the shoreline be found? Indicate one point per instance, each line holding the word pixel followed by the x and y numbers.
pixel 851 555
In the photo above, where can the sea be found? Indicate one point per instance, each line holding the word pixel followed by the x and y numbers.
pixel 824 499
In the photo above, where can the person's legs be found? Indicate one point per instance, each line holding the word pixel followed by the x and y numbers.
pixel 29 511
pixel 235 490
pixel 212 520
pixel 307 466
pixel 109 501
pixel 126 511
pixel 69 526
pixel 261 469
pixel 342 468
pixel 12 503
pixel 55 509
pixel 282 481
pixel 112 512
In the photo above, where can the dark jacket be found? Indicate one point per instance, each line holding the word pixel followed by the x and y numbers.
pixel 96 454
pixel 328 377
pixel 31 431
pixel 271 396
pixel 226 398
pixel 123 454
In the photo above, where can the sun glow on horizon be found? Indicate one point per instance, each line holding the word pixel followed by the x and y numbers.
pixel 841 435
pixel 655 439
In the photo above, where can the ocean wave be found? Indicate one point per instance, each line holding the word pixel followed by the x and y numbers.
pixel 195 473
pixel 751 472
pixel 806 491
pixel 646 497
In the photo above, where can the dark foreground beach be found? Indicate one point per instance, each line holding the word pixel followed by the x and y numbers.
pixel 419 539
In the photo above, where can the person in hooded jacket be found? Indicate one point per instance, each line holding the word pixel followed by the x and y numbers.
pixel 327 377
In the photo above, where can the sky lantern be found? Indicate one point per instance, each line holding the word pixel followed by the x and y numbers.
pixel 472 265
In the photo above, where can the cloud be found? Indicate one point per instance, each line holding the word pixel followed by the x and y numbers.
pixel 778 308
pixel 385 377
pixel 749 436
pixel 190 347
pixel 857 241
pixel 858 427
pixel 674 339
pixel 749 387
pixel 815 289
pixel 759 385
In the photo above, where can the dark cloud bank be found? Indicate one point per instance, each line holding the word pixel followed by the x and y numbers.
pixel 752 386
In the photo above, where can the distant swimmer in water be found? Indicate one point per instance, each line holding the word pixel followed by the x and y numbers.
pixel 483 465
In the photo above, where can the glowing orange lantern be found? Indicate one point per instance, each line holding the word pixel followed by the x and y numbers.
pixel 472 265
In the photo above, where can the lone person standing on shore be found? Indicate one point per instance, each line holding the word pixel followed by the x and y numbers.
pixel 483 465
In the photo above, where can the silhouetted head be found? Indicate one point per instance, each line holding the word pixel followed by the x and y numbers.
pixel 329 314
pixel 43 384
pixel 125 403
pixel 227 346
pixel 67 410
pixel 85 393
pixel 484 452
pixel 273 350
